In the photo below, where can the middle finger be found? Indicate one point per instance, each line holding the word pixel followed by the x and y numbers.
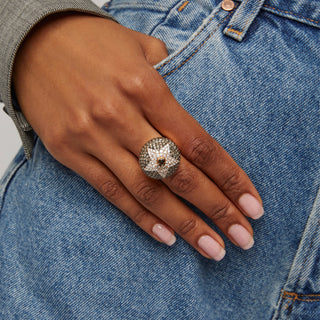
pixel 192 184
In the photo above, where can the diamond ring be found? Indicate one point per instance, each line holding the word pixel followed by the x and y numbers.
pixel 159 158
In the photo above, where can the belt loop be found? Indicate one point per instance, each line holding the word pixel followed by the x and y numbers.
pixel 242 19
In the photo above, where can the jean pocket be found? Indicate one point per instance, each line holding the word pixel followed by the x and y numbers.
pixel 208 32
pixel 299 306
pixel 300 297
pixel 14 166
pixel 184 26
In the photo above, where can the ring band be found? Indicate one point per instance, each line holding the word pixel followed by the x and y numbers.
pixel 159 158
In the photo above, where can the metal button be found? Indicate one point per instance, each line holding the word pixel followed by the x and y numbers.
pixel 227 5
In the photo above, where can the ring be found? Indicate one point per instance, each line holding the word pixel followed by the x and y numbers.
pixel 159 158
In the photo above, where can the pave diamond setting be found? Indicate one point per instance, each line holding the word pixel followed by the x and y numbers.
pixel 159 158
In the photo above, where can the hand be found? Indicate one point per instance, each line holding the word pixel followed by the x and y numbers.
pixel 88 88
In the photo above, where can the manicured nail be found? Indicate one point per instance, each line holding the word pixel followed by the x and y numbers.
pixel 241 236
pixel 251 206
pixel 211 247
pixel 164 234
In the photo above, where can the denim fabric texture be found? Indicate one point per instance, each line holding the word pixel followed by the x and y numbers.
pixel 66 253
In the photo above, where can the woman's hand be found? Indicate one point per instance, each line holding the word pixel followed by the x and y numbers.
pixel 88 88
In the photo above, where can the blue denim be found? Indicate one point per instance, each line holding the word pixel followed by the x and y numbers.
pixel 251 79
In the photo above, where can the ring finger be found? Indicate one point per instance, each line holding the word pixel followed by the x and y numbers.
pixel 158 199
pixel 192 184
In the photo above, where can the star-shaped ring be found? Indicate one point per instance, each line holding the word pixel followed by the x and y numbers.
pixel 159 158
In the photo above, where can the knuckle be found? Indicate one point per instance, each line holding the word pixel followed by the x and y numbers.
pixel 183 180
pixel 81 124
pixel 220 212
pixel 147 193
pixel 202 151
pixel 139 84
pixel 232 182
pixel 111 190
pixel 106 111
pixel 187 226
pixel 139 216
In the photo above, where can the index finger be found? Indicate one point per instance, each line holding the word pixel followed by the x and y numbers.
pixel 174 122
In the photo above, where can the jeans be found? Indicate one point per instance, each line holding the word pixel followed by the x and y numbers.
pixel 250 77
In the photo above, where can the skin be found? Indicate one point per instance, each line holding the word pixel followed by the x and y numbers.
pixel 88 88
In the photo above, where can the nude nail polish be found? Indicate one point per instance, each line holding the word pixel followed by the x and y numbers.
pixel 251 206
pixel 241 236
pixel 162 232
pixel 211 247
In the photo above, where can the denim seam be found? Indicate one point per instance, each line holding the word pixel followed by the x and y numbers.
pixel 8 180
pixel 234 31
pixel 296 296
pixel 280 306
pixel 183 6
pixel 292 298
pixel 290 308
pixel 305 300
pixel 289 302
pixel 307 254
pixel 189 43
pixel 291 13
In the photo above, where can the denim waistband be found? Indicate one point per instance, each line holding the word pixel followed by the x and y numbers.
pixel 304 11
pixel 300 10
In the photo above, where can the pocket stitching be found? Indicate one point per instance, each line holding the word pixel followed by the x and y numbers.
pixel 297 296
pixel 291 298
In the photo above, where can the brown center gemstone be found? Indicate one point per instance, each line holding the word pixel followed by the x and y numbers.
pixel 161 161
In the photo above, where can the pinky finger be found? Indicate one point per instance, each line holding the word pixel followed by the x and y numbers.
pixel 109 186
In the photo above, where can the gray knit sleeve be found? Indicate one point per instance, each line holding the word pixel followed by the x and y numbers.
pixel 17 19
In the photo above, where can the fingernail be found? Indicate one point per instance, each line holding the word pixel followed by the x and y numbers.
pixel 241 236
pixel 251 206
pixel 211 247
pixel 164 234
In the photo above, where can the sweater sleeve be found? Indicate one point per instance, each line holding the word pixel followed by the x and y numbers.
pixel 17 19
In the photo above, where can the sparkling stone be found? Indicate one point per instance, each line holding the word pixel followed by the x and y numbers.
pixel 159 158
